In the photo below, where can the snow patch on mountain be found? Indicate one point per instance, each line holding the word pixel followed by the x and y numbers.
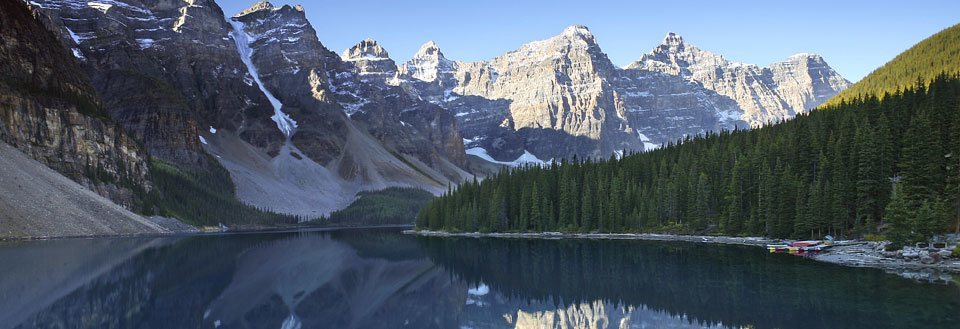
pixel 647 144
pixel 242 39
pixel 526 158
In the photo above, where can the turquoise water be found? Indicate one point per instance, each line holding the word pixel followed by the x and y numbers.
pixel 384 279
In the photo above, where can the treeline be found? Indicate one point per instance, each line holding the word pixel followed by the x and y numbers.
pixel 204 199
pixel 925 61
pixel 850 169
pixel 392 206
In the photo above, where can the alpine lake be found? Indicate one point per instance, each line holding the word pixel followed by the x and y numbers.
pixel 382 278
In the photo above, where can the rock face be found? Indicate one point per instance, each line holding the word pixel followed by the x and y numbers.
pixel 61 158
pixel 166 71
pixel 560 93
pixel 561 97
pixel 49 111
pixel 766 94
pixel 344 133
pixel 301 130
pixel 370 58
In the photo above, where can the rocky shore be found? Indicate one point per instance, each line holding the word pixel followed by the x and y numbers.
pixel 910 262
pixel 913 263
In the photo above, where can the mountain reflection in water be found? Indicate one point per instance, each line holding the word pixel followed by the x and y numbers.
pixel 383 279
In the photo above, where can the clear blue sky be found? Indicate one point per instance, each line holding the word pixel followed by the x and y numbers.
pixel 854 37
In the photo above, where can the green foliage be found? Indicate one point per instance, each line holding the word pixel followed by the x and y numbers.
pixel 204 199
pixel 875 238
pixel 392 206
pixel 900 220
pixel 923 62
pixel 956 251
pixel 827 172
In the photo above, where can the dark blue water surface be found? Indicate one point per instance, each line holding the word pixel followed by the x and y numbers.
pixel 380 278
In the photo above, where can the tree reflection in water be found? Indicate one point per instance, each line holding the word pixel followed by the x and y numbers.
pixel 383 279
pixel 700 284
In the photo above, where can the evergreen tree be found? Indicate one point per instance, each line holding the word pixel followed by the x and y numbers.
pixel 827 172
pixel 870 180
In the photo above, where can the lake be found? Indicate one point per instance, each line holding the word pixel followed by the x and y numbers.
pixel 380 278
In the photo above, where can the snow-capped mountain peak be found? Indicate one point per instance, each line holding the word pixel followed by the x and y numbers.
pixel 577 30
pixel 429 49
pixel 428 64
pixel 766 94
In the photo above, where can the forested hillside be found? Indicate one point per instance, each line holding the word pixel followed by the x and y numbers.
pixel 923 62
pixel 850 169
pixel 392 206
pixel 205 199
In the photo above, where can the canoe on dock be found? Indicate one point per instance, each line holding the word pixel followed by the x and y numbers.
pixel 799 247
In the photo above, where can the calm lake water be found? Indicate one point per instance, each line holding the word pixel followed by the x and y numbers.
pixel 384 279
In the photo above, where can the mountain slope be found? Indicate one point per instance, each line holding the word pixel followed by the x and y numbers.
pixel 343 134
pixel 766 94
pixel 65 167
pixel 302 130
pixel 937 54
pixel 166 72
pixel 39 202
pixel 297 129
pixel 823 173
pixel 561 96
pixel 49 111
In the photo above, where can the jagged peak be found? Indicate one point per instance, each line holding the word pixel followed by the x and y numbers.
pixel 259 6
pixel 267 6
pixel 804 56
pixel 429 49
pixel 577 30
pixel 672 42
pixel 366 49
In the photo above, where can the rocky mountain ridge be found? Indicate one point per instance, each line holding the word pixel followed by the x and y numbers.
pixel 66 169
pixel 351 135
pixel 766 94
pixel 50 111
pixel 302 130
pixel 257 94
pixel 560 97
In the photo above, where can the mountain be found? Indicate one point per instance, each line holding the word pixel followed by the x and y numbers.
pixel 50 116
pixel 344 134
pixel 562 96
pixel 826 172
pixel 765 94
pixel 217 117
pixel 937 54
pixel 553 99
pixel 295 128
pixel 166 72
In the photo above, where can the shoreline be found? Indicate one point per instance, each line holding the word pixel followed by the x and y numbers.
pixel 203 232
pixel 854 253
